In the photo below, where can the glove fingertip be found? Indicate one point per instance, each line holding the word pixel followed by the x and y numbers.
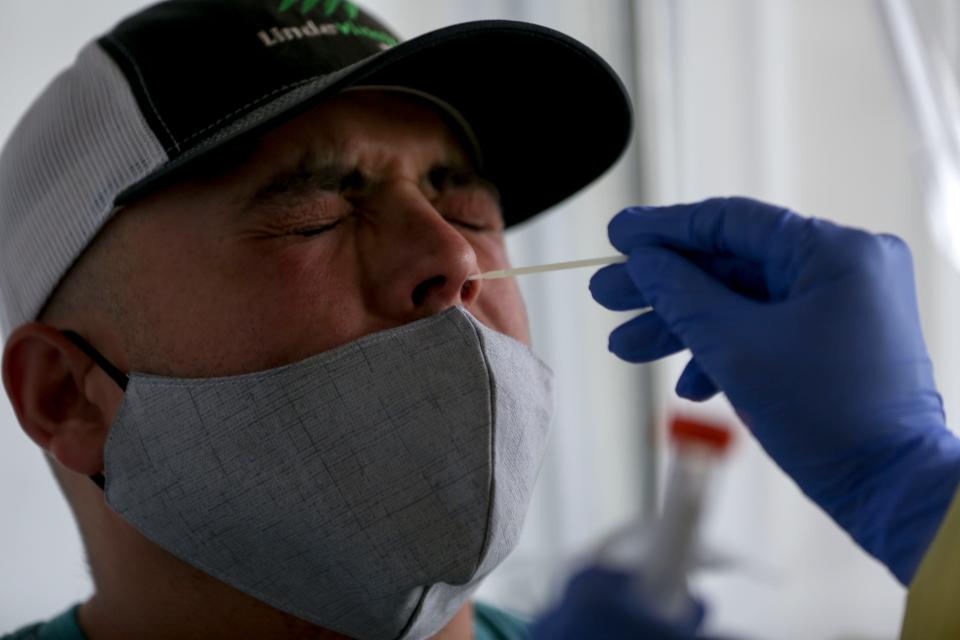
pixel 643 339
pixel 694 385
pixel 599 282
pixel 621 225
pixel 622 350
pixel 612 288
pixel 695 393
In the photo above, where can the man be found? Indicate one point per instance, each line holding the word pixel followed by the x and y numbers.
pixel 236 246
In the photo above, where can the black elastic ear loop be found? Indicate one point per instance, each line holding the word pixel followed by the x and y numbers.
pixel 115 374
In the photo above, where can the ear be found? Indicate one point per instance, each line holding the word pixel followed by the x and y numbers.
pixel 63 401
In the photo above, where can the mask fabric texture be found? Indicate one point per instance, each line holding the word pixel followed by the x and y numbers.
pixel 367 489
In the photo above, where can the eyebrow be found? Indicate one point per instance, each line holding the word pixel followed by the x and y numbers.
pixel 310 174
pixel 291 184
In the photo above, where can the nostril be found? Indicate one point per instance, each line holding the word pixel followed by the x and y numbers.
pixel 467 289
pixel 421 290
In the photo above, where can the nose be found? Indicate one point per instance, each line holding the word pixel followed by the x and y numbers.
pixel 417 262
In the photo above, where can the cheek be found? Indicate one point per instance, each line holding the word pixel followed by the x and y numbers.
pixel 500 303
pixel 502 308
pixel 239 308
pixel 306 298
pixel 490 250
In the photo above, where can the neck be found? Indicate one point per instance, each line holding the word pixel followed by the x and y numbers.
pixel 103 620
pixel 146 593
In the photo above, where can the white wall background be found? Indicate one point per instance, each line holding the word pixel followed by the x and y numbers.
pixel 796 101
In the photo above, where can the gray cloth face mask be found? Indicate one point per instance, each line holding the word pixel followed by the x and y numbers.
pixel 368 489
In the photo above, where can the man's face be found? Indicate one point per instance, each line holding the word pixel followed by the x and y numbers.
pixel 362 214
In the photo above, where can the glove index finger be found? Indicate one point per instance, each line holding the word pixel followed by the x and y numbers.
pixel 740 227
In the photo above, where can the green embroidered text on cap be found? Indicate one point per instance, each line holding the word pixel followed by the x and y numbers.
pixel 329 7
pixel 348 27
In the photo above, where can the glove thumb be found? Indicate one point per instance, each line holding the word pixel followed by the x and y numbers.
pixel 696 308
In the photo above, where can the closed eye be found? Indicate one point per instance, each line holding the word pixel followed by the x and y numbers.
pixel 317 230
pixel 466 225
pixel 444 177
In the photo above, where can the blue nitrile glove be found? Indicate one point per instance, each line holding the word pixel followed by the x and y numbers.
pixel 812 331
pixel 601 604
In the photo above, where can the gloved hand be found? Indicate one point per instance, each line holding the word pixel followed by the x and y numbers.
pixel 812 331
pixel 601 604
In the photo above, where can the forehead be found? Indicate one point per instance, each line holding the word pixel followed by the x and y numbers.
pixel 372 122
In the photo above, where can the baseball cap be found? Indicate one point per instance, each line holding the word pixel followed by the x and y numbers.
pixel 177 81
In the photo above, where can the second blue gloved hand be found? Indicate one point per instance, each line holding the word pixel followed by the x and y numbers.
pixel 812 331
pixel 600 604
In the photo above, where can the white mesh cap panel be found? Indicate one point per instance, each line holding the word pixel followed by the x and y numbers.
pixel 81 143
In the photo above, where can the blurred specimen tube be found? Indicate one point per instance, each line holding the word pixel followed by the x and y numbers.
pixel 697 447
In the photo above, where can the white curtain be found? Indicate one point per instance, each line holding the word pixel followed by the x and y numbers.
pixel 799 102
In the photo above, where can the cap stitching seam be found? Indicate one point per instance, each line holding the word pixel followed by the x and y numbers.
pixel 146 92
pixel 250 104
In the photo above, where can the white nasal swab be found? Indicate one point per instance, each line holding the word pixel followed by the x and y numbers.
pixel 556 266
